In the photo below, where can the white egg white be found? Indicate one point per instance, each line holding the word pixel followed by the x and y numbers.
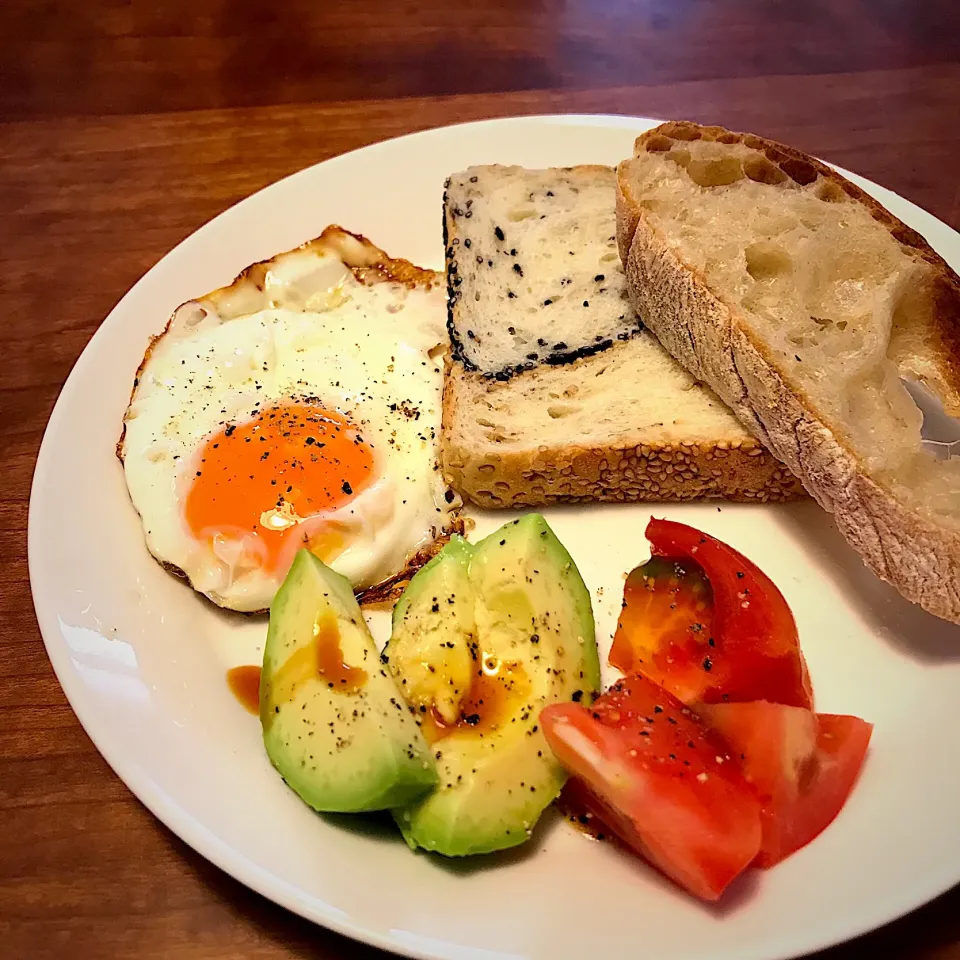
pixel 313 330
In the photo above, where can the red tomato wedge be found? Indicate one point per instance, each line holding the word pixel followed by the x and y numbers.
pixel 666 623
pixel 705 623
pixel 802 764
pixel 660 780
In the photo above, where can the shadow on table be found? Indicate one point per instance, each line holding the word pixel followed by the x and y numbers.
pixel 262 924
pixel 929 933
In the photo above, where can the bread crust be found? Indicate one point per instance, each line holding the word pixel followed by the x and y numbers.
pixel 803 168
pixel 738 470
pixel 907 549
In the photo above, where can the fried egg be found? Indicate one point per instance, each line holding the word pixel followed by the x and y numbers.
pixel 300 406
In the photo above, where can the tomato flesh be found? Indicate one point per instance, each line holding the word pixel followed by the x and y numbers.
pixel 708 625
pixel 665 627
pixel 803 766
pixel 660 780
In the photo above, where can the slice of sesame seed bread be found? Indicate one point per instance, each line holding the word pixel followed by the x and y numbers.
pixel 555 392
pixel 533 272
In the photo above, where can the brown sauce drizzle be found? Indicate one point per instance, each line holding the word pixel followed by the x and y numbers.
pixel 244 684
pixel 329 658
pixel 321 659
pixel 492 700
pixel 575 807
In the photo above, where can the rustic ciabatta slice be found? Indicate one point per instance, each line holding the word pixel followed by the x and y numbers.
pixel 802 302
pixel 556 392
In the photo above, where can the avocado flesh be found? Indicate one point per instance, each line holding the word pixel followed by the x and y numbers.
pixel 435 618
pixel 522 612
pixel 334 723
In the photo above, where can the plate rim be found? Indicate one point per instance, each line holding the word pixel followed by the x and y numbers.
pixel 150 793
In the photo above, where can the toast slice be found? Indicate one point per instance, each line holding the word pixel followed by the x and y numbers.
pixel 803 302
pixel 555 392
pixel 533 274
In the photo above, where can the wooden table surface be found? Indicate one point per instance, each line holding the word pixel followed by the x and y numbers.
pixel 125 125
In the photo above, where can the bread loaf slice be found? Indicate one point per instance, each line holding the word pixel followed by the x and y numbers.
pixel 555 392
pixel 802 302
pixel 533 273
pixel 627 424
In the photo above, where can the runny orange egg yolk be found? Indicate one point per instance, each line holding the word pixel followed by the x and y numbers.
pixel 286 464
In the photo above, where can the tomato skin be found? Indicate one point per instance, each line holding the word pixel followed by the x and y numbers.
pixel 746 645
pixel 803 766
pixel 660 780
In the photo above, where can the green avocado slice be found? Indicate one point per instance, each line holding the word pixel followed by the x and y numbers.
pixel 484 637
pixel 334 722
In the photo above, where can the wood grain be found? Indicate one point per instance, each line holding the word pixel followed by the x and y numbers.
pixel 126 125
pixel 110 57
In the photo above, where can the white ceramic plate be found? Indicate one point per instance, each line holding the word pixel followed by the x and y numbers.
pixel 142 659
